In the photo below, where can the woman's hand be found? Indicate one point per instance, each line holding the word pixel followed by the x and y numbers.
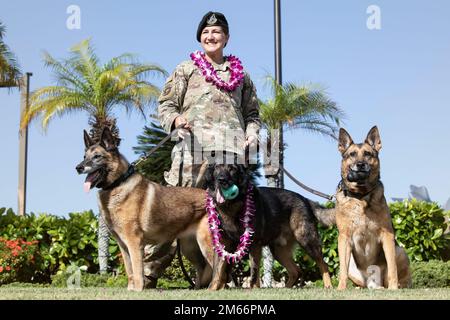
pixel 184 130
pixel 250 141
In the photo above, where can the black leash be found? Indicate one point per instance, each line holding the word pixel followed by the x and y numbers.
pixel 183 269
pixel 301 185
pixel 132 167
pixel 317 193
pixel 146 155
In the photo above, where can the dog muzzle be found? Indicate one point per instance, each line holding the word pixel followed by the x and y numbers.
pixel 357 176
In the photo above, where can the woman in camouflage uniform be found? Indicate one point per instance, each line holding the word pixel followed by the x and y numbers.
pixel 216 102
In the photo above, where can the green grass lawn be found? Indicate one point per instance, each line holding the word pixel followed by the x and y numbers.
pixel 48 293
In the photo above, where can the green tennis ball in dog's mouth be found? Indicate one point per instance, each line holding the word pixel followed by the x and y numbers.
pixel 230 193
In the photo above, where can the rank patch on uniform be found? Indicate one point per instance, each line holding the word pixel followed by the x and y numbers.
pixel 167 92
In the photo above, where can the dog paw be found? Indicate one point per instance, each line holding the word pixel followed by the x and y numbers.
pixel 393 287
pixel 342 285
pixel 136 289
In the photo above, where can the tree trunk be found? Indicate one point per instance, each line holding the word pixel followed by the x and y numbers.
pixel 103 245
pixel 98 124
pixel 275 181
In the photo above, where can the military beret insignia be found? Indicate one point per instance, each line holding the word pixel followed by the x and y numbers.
pixel 212 20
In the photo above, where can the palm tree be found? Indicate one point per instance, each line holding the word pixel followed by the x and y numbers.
pixel 84 85
pixel 304 107
pixel 153 167
pixel 10 74
pixel 294 107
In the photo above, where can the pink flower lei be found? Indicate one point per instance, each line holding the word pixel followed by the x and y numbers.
pixel 246 219
pixel 210 74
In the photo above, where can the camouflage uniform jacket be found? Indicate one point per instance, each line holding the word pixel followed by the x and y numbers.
pixel 220 120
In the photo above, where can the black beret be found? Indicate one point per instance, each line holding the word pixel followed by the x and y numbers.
pixel 212 19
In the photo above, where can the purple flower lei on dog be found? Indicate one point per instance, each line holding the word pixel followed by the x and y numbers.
pixel 246 219
pixel 210 73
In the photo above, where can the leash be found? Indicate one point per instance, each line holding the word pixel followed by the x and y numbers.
pixel 183 269
pixel 301 185
pixel 317 193
pixel 132 167
pixel 146 155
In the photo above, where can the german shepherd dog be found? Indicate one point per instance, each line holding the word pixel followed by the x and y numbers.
pixel 282 218
pixel 136 210
pixel 367 251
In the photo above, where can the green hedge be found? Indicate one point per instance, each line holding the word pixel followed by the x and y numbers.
pixel 61 242
pixel 419 227
pixel 59 280
pixel 431 274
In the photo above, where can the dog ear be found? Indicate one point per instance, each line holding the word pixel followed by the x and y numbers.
pixel 345 140
pixel 87 140
pixel 373 138
pixel 209 178
pixel 244 173
pixel 107 140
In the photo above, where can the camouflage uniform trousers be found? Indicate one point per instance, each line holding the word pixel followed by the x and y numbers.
pixel 187 170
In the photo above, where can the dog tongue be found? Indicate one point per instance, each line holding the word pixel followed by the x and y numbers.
pixel 219 197
pixel 87 186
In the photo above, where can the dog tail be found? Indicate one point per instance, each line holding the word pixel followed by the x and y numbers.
pixel 326 216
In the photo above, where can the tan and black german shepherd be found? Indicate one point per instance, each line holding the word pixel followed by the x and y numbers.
pixel 366 244
pixel 282 219
pixel 136 210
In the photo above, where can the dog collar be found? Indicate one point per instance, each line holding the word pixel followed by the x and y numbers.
pixel 343 187
pixel 121 179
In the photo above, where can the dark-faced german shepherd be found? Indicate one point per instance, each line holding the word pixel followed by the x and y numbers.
pixel 282 218
pixel 136 210
pixel 367 251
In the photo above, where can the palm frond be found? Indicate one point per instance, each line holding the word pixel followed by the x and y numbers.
pixel 153 168
pixel 82 84
pixel 305 107
pixel 84 60
pixel 10 74
pixel 63 73
pixel 48 102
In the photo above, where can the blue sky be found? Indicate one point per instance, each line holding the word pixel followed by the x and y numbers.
pixel 397 78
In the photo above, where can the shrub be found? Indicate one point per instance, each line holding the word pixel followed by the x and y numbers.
pixel 61 241
pixel 419 228
pixel 17 259
pixel 91 280
pixel 431 274
pixel 173 276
